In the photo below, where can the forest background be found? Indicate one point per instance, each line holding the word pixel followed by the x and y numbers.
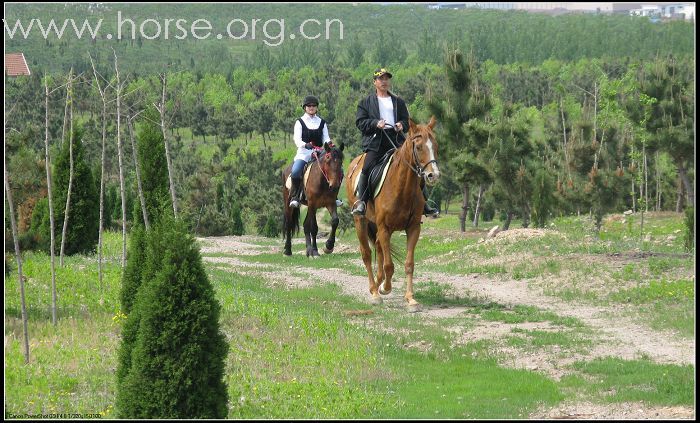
pixel 577 113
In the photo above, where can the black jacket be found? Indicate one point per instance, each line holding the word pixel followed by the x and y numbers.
pixel 368 116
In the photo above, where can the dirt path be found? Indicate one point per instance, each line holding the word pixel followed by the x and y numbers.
pixel 614 335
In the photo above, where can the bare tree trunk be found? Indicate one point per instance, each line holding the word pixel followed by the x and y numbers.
pixel 646 183
pixel 634 196
pixel 161 109
pixel 478 205
pixel 509 218
pixel 102 174
pixel 465 207
pixel 142 199
pixel 563 124
pixel 18 255
pixel 70 172
pixel 641 209
pixel 679 196
pixel 658 183
pixel 121 165
pixel 47 162
pixel 65 121
pixel 682 172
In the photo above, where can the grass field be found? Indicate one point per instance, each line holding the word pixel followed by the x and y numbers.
pixel 296 353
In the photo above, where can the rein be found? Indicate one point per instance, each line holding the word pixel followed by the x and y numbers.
pixel 316 156
pixel 417 169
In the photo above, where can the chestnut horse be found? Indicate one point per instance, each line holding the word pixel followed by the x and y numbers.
pixel 321 189
pixel 398 207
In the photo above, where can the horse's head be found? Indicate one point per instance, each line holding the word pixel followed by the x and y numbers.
pixel 332 164
pixel 425 149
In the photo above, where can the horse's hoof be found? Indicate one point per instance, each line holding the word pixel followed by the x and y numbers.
pixel 384 291
pixel 376 300
pixel 327 251
pixel 287 253
pixel 413 308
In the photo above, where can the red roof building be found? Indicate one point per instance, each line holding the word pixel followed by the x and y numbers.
pixel 16 65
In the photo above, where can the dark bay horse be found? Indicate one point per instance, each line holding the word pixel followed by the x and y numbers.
pixel 398 207
pixel 321 190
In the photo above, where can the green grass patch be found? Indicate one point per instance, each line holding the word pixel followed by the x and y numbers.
pixel 617 380
pixel 664 304
pixel 540 338
pixel 297 356
pixel 523 314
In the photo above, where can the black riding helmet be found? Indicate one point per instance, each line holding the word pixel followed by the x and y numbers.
pixel 310 99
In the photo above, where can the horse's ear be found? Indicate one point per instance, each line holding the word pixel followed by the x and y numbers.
pixel 326 147
pixel 411 125
pixel 342 146
pixel 432 122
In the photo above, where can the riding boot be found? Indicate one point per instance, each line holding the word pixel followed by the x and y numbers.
pixel 294 193
pixel 362 193
pixel 427 210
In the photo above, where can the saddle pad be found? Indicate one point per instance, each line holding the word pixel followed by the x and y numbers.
pixel 307 171
pixel 378 185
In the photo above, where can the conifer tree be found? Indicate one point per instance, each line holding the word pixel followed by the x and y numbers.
pixel 153 166
pixel 82 231
pixel 171 361
pixel 462 116
pixel 131 278
pixel 237 227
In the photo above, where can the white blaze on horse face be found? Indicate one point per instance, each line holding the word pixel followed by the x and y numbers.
pixel 436 171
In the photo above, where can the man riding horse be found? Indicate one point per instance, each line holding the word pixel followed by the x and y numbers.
pixel 382 118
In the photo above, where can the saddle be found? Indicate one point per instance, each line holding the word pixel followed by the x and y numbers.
pixel 307 171
pixel 377 174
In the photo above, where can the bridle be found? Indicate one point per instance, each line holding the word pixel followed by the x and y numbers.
pixel 418 169
pixel 315 154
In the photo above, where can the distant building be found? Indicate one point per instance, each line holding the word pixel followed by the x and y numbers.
pixel 656 10
pixel 16 65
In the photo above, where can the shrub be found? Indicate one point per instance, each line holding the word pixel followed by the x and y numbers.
pixel 171 361
pixel 82 232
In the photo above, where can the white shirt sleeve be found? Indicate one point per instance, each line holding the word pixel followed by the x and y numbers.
pixel 297 135
pixel 326 137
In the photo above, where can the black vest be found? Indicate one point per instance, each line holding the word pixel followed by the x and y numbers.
pixel 314 136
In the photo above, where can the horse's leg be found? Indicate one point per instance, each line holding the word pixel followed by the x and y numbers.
pixel 330 243
pixel 310 231
pixel 412 235
pixel 361 229
pixel 288 224
pixel 387 264
pixel 380 268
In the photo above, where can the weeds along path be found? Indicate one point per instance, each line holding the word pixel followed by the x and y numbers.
pixel 612 333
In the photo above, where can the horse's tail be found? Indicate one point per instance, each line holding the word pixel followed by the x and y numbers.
pixel 292 222
pixel 372 234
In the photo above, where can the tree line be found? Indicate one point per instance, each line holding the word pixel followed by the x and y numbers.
pixel 416 35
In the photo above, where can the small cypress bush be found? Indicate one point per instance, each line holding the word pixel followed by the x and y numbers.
pixel 131 278
pixel 171 361
pixel 154 168
pixel 83 222
pixel 237 227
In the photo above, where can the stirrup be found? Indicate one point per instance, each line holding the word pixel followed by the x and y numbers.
pixel 294 204
pixel 430 212
pixel 359 208
pixel 338 202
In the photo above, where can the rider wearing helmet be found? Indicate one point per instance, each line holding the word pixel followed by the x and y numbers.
pixel 309 131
